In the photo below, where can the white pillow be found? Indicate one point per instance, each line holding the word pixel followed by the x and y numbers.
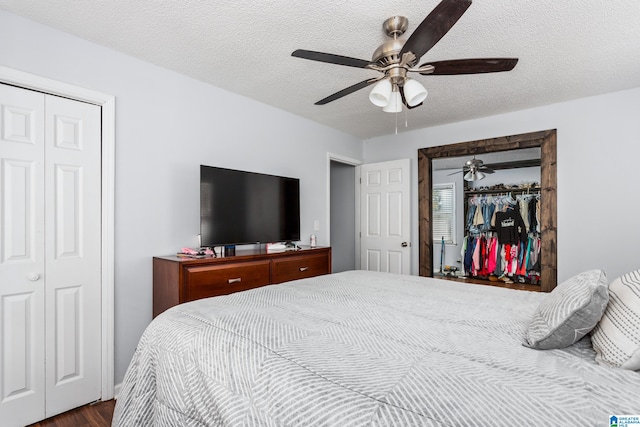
pixel 569 312
pixel 616 339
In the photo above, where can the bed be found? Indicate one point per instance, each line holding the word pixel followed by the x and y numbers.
pixel 365 349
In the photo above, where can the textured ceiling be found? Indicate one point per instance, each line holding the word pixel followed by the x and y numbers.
pixel 567 50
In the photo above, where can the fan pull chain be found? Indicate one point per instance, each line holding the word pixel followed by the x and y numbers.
pixel 396 123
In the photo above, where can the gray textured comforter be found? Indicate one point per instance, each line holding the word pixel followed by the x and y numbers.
pixel 362 348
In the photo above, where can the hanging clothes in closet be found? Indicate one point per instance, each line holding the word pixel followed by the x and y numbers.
pixel 503 238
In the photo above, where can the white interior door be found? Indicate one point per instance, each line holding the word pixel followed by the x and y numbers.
pixel 50 278
pixel 385 217
pixel 72 254
pixel 22 292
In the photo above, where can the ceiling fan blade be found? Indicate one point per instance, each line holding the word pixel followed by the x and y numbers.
pixel 471 66
pixel 435 26
pixel 330 58
pixel 348 91
pixel 460 171
pixel 485 168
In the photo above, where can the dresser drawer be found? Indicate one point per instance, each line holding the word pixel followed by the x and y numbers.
pixel 213 280
pixel 299 267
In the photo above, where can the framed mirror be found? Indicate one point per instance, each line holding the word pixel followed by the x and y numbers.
pixel 546 140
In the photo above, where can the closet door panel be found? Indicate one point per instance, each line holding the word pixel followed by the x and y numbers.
pixel 22 275
pixel 20 123
pixel 18 214
pixel 73 254
pixel 68 232
pixel 68 333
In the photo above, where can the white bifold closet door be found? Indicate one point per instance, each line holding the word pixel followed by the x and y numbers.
pixel 50 240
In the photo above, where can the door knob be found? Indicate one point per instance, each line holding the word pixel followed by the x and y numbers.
pixel 33 277
pixel 405 244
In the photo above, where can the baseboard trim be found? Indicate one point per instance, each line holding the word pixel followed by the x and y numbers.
pixel 116 390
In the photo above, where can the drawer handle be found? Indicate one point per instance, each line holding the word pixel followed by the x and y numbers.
pixel 236 280
pixel 304 268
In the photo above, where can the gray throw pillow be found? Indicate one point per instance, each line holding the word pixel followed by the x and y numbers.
pixel 569 312
pixel 616 339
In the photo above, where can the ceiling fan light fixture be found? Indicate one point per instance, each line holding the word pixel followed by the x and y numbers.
pixel 414 92
pixel 398 57
pixel 381 93
pixel 395 102
pixel 474 176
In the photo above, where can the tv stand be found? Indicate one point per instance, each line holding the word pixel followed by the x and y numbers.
pixel 177 280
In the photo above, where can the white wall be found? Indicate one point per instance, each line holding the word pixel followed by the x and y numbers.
pixel 343 227
pixel 166 126
pixel 598 152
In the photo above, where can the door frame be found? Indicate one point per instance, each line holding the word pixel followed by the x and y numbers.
pixel 547 141
pixel 332 157
pixel 107 103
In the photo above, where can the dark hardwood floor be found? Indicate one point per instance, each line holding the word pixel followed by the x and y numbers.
pixel 97 414
pixel 500 284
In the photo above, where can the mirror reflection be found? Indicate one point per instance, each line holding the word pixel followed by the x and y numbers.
pixel 485 217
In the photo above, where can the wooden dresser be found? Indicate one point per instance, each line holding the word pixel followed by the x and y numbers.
pixel 177 280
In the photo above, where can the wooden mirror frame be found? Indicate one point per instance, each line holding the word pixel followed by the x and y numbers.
pixel 546 140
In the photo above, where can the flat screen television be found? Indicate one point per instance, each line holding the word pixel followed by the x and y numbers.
pixel 238 207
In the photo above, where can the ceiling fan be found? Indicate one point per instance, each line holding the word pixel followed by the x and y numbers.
pixel 475 170
pixel 396 58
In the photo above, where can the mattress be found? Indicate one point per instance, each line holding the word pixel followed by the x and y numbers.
pixel 363 348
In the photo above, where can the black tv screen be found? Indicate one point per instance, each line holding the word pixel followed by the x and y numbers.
pixel 238 207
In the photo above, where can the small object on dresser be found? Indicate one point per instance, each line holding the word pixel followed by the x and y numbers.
pixel 196 253
pixel 314 240
pixel 276 247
